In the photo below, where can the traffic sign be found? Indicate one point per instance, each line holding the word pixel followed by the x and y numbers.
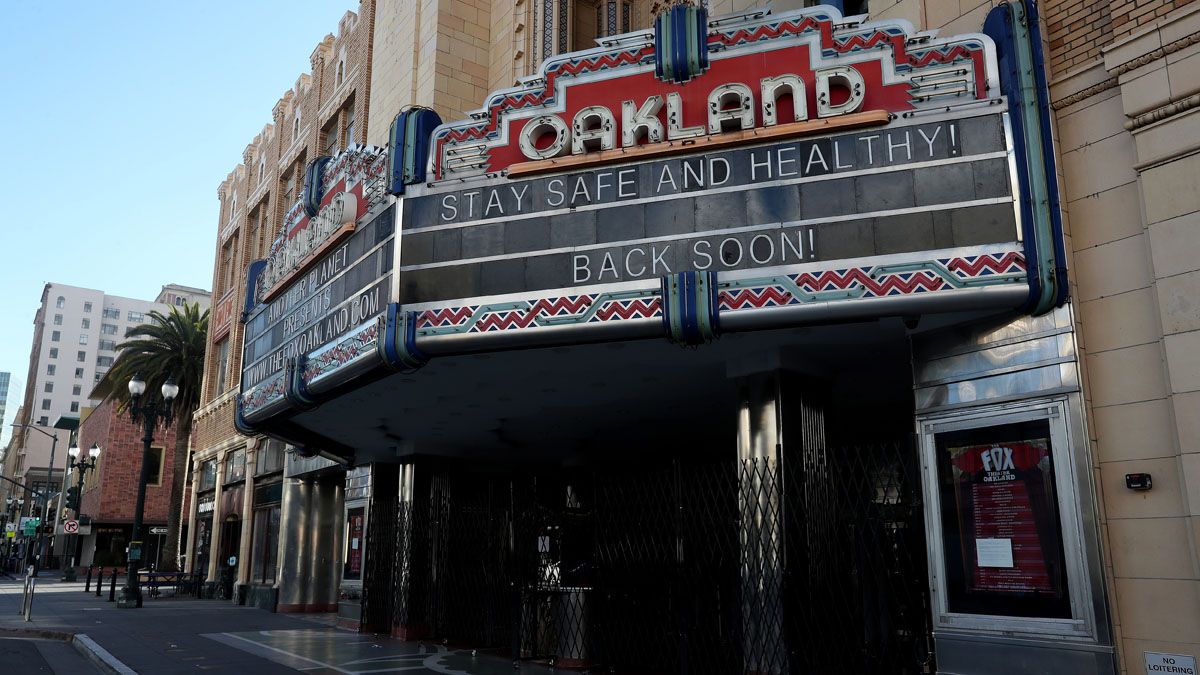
pixel 71 526
pixel 159 529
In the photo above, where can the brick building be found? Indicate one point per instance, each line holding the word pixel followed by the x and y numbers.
pixel 236 480
pixel 109 491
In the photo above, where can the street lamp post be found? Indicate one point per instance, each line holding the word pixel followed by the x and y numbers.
pixel 43 543
pixel 148 411
pixel 81 467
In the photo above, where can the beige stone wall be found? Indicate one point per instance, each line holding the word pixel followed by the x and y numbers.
pixel 1128 146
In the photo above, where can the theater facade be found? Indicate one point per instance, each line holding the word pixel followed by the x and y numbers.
pixel 742 344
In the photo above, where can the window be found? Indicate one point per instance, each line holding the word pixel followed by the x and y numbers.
pixel 104 361
pixel 76 390
pixel 43 421
pixel 330 133
pixel 86 324
pixel 269 457
pixel 83 338
pixel 350 124
pixel 45 404
pixel 61 302
pixel 154 467
pixel 264 551
pixel 112 313
pixel 79 373
pixel 108 329
pixel 222 365
pixel 289 188
pixel 87 308
pixel 296 126
pixel 235 466
pixel 49 368
pixel 97 377
pixel 54 352
pixel 74 406
pixel 262 165
pixel 58 319
pixel 49 388
pixel 208 475
pixel 55 336
pixel 81 356
pixel 135 317
pixel 108 345
pixel 341 71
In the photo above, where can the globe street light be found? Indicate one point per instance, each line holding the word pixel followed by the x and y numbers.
pixel 148 410
pixel 75 495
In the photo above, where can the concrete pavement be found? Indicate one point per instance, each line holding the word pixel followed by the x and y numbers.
pixel 180 635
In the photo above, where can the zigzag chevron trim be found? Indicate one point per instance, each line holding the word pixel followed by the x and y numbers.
pixel 541 312
pixel 943 274
pixel 359 343
pixel 264 394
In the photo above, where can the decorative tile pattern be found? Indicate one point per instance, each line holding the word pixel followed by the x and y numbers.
pixel 265 393
pixel 541 312
pixel 357 344
pixel 944 274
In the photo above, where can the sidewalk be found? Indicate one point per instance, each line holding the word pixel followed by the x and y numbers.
pixel 173 636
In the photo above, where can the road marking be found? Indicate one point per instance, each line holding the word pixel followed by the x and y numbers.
pixel 276 649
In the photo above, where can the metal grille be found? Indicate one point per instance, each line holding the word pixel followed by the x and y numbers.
pixel 856 579
pixel 810 565
pixel 378 577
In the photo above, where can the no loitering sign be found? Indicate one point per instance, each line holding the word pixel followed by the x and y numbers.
pixel 1158 663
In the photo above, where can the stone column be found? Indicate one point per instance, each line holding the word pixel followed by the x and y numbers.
pixel 193 515
pixel 244 562
pixel 214 565
pixel 294 543
pixel 410 567
pixel 778 421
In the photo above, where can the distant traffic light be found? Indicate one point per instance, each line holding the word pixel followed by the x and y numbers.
pixel 73 498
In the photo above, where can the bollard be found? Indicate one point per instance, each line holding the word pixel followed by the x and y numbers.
pixel 29 601
pixel 87 586
pixel 99 582
pixel 112 587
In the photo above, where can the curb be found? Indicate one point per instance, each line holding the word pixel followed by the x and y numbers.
pixel 36 633
pixel 100 656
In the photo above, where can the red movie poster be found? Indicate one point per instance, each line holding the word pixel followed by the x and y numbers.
pixel 1004 496
pixel 354 547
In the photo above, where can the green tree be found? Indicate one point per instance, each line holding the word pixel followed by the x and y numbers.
pixel 169 345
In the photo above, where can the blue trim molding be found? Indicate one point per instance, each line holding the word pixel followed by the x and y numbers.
pixel 1013 27
pixel 408 147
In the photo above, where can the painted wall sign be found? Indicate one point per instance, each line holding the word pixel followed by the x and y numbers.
pixel 349 186
pixel 760 72
pixel 222 314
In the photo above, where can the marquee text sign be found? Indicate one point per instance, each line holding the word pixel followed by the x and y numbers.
pixel 350 187
pixel 907 187
pixel 348 286
pixel 763 72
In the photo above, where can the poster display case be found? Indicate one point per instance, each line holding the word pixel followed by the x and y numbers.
pixel 1005 531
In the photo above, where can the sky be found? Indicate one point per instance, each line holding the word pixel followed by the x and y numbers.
pixel 121 120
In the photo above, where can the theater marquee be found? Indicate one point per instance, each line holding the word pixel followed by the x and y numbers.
pixel 784 169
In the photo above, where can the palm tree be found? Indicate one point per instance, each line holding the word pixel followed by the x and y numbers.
pixel 170 345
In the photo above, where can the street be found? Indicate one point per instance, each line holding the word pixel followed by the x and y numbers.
pixel 172 636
